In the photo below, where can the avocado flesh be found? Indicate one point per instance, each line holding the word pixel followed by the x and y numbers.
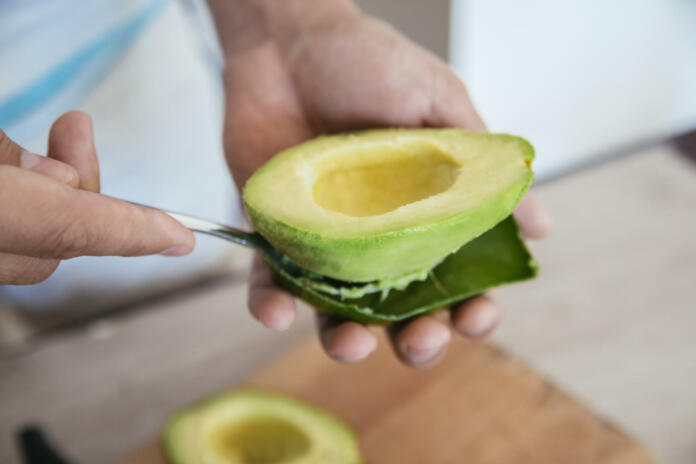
pixel 252 427
pixel 383 204
pixel 352 290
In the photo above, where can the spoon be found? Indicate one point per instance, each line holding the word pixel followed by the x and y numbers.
pixel 497 257
pixel 252 240
pixel 300 281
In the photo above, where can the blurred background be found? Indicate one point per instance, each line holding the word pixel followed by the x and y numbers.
pixel 606 91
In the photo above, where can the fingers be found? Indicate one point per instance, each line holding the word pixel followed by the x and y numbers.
pixel 534 220
pixel 47 221
pixel 71 140
pixel 276 309
pixel 13 155
pixel 50 168
pixel 420 342
pixel 270 305
pixel 346 342
pixel 23 270
pixel 52 220
pixel 475 317
pixel 71 159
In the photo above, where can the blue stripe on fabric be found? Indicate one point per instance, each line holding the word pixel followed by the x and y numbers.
pixel 47 87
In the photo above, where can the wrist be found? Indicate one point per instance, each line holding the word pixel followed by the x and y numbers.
pixel 243 24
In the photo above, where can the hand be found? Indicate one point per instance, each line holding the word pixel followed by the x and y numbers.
pixel 346 73
pixel 50 209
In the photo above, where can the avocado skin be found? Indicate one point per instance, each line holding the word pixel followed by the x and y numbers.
pixel 495 258
pixel 398 252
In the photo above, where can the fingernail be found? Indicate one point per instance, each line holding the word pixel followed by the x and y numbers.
pixel 426 350
pixel 28 160
pixel 478 319
pixel 179 250
pixel 420 356
pixel 354 352
pixel 281 320
pixel 46 166
pixel 482 322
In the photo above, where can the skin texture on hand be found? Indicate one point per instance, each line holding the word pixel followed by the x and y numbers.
pixel 348 72
pixel 52 210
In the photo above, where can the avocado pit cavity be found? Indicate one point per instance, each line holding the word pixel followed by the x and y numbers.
pixel 372 180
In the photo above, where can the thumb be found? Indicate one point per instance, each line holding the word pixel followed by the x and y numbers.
pixel 451 105
pixel 14 155
pixel 51 220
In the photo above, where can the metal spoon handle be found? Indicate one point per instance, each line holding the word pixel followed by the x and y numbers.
pixel 204 226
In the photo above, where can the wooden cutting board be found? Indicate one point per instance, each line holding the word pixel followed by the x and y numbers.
pixel 479 406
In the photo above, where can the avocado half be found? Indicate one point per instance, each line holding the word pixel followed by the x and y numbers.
pixel 250 427
pixel 384 204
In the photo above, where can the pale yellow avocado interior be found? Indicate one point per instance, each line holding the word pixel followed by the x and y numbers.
pixel 359 183
pixel 258 440
pixel 364 185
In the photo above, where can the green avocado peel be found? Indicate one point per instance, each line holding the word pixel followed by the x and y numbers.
pixel 497 257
